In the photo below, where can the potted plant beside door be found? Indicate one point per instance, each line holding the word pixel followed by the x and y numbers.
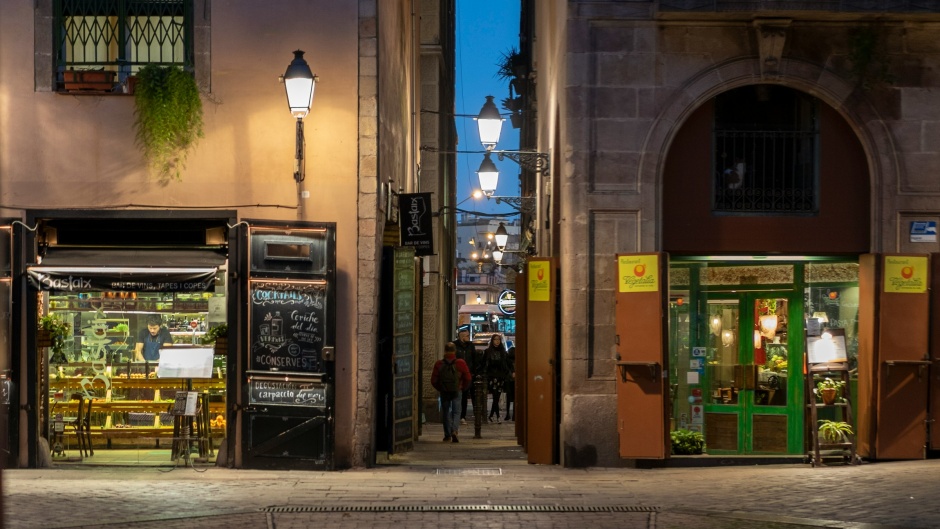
pixel 218 336
pixel 54 332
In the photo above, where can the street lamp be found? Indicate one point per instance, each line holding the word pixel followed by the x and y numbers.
pixel 489 176
pixel 490 124
pixel 502 237
pixel 299 83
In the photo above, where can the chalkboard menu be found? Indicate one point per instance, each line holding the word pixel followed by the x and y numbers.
pixel 287 325
pixel 286 392
pixel 404 347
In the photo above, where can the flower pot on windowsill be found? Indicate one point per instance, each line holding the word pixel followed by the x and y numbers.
pixel 88 80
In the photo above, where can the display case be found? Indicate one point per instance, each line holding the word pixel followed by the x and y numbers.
pixel 127 400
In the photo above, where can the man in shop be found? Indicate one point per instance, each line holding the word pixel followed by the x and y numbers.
pixel 151 339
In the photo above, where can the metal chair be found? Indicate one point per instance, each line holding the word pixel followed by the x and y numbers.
pixel 82 425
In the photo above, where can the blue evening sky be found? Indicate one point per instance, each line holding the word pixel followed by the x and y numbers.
pixel 486 29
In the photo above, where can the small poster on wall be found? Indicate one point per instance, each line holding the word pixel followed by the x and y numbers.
pixel 828 347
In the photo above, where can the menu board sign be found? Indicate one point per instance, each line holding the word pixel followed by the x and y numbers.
pixel 286 392
pixel 287 325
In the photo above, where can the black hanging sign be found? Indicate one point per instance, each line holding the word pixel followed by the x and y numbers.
pixel 287 325
pixel 415 219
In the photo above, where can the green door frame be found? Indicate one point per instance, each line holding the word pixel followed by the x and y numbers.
pixel 744 406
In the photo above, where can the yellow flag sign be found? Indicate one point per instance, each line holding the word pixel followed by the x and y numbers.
pixel 905 274
pixel 638 273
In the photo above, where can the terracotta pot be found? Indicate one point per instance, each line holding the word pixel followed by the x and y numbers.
pixel 88 80
pixel 829 396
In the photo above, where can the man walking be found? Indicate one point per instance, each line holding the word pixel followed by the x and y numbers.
pixel 451 377
pixel 466 352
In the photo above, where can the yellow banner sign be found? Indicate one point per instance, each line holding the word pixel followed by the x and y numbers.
pixel 638 273
pixel 540 281
pixel 905 274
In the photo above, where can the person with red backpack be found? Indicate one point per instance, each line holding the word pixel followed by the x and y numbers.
pixel 450 377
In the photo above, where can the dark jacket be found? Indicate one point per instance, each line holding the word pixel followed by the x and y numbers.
pixel 498 367
pixel 465 352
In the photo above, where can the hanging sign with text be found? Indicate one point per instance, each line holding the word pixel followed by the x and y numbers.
pixel 415 219
pixel 287 325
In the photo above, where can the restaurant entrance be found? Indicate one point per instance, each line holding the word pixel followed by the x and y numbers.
pixel 736 345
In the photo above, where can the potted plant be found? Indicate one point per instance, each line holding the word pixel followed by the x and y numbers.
pixel 834 431
pixel 53 332
pixel 687 442
pixel 829 390
pixel 168 113
pixel 217 335
pixel 512 67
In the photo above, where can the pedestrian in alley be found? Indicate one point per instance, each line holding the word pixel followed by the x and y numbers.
pixel 451 377
pixel 466 352
pixel 497 372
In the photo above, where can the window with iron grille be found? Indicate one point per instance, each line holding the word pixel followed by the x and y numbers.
pixel 121 36
pixel 766 143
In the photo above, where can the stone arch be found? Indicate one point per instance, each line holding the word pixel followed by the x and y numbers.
pixel 860 115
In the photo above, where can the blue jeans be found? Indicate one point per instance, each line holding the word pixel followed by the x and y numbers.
pixel 450 410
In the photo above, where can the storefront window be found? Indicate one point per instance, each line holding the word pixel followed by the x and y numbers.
pixel 737 340
pixel 105 386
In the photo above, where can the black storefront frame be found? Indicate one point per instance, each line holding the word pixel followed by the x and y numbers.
pixel 101 230
pixel 296 262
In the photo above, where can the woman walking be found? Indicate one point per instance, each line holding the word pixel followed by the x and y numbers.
pixel 498 372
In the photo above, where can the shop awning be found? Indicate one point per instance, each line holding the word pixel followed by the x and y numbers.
pixel 150 270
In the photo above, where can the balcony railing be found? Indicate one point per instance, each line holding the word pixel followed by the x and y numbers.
pixel 765 172
pixel 843 6
pixel 122 35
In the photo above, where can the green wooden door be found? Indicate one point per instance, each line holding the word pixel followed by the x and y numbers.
pixel 753 348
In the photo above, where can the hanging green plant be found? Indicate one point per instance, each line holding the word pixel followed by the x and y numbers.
pixel 168 118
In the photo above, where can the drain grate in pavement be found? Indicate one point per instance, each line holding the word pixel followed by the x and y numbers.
pixel 471 471
pixel 460 508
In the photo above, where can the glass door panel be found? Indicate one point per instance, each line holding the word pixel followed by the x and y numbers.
pixel 723 345
pixel 747 373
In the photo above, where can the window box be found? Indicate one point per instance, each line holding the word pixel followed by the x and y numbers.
pixel 88 80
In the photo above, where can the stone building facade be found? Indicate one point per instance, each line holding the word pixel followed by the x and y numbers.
pixel 622 87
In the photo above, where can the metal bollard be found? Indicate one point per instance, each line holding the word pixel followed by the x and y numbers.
pixel 479 402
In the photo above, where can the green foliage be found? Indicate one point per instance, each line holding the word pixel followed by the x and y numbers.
pixel 214 333
pixel 168 118
pixel 828 383
pixel 687 442
pixel 59 331
pixel 834 431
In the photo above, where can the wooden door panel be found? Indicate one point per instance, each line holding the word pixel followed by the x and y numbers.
pixel 641 363
pixel 540 412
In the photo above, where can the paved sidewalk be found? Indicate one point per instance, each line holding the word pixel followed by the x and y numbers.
pixel 431 488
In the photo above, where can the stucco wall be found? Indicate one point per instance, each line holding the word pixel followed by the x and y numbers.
pixel 63 151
